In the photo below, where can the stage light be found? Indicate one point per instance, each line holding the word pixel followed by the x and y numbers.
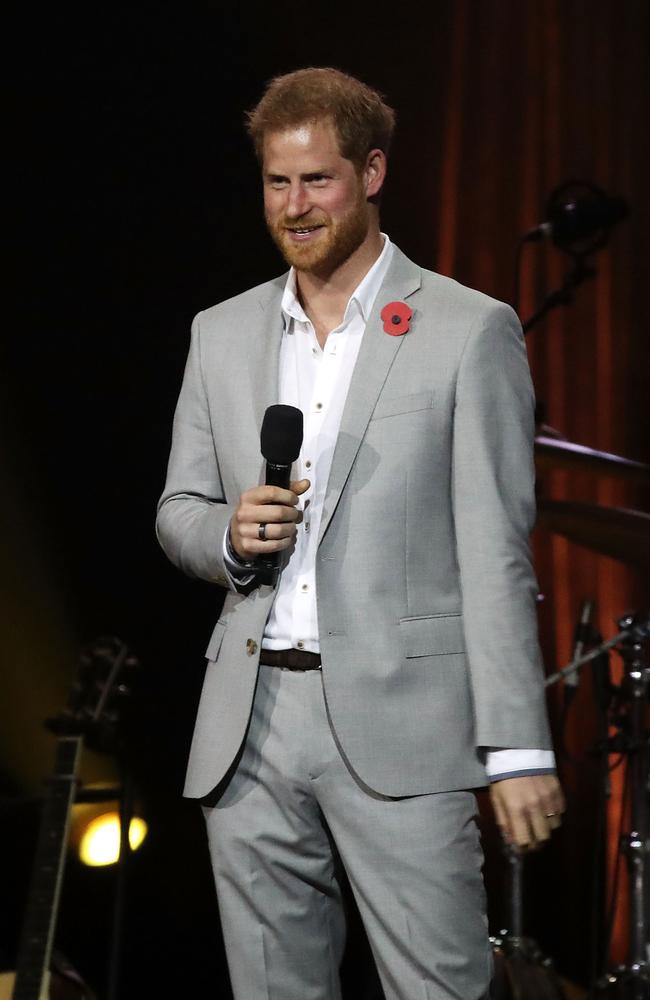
pixel 99 843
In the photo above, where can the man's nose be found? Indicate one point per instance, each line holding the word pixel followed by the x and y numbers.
pixel 298 202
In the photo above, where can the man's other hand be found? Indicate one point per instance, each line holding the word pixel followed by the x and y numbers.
pixel 527 809
pixel 273 507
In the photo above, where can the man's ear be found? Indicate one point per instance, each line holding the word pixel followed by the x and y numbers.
pixel 374 172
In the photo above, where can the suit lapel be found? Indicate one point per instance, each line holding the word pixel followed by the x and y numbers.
pixel 265 354
pixel 376 355
pixel 263 364
pixel 258 362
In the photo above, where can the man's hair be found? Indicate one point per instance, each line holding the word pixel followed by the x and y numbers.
pixel 361 119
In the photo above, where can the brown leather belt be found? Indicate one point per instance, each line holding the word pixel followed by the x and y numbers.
pixel 290 659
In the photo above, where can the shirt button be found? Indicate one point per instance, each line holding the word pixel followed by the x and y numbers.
pixel 314 351
pixel 306 525
pixel 319 406
pixel 251 647
pixel 305 587
pixel 308 464
pixel 300 644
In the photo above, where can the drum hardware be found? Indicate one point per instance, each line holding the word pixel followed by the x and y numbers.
pixel 615 532
pixel 521 971
pixel 553 452
pixel 581 217
pixel 611 531
pixel 631 739
pixel 635 628
pixel 587 636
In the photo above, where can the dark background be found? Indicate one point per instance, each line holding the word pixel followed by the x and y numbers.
pixel 135 202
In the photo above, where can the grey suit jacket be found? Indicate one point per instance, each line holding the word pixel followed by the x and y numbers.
pixel 425 589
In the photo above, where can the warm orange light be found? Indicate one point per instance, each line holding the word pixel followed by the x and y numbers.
pixel 100 840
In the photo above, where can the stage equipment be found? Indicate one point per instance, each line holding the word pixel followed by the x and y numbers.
pixel 628 716
pixel 100 838
pixel 580 217
pixel 581 638
pixel 280 444
pixel 521 972
pixel 616 532
pixel 90 717
pixel 553 452
pixel 611 531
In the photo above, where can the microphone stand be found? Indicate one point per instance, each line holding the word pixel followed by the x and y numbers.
pixel 638 630
pixel 563 296
pixel 581 217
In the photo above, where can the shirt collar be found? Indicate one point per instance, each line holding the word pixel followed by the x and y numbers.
pixel 363 297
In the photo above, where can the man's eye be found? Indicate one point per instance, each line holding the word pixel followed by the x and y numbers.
pixel 277 183
pixel 319 180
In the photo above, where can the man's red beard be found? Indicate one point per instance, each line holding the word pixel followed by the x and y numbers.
pixel 333 245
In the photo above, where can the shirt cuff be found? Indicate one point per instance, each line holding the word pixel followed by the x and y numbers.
pixel 238 573
pixel 500 764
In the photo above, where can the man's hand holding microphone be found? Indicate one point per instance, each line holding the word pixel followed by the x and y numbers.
pixel 265 521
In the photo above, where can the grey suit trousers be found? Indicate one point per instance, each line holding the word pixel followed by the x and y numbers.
pixel 291 811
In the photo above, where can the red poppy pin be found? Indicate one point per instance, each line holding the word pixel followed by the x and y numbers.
pixel 397 318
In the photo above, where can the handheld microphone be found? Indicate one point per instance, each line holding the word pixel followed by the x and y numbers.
pixel 280 444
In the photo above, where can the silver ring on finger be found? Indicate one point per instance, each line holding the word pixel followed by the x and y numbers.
pixel 261 532
pixel 550 815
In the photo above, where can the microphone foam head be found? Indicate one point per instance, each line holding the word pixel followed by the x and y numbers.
pixel 281 435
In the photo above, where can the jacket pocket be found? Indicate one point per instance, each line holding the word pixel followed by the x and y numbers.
pixel 389 406
pixel 216 639
pixel 432 635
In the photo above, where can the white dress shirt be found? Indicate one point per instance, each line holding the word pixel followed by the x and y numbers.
pixel 316 381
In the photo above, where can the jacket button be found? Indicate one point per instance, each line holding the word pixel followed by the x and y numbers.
pixel 251 647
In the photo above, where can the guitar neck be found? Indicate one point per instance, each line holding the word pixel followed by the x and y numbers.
pixel 40 918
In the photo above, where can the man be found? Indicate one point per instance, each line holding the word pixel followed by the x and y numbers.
pixel 347 714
